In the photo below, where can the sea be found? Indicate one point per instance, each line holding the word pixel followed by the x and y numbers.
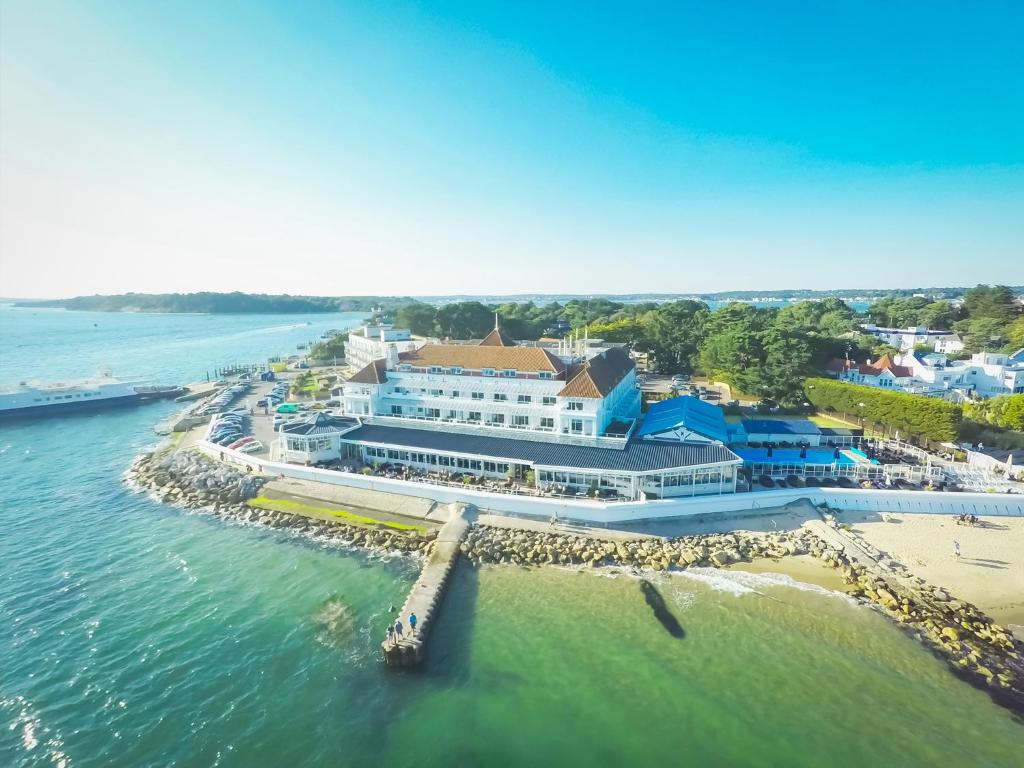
pixel 136 634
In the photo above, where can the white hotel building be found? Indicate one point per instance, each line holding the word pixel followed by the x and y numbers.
pixel 567 418
pixel 374 342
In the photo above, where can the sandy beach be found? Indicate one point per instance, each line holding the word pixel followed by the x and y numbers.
pixel 989 572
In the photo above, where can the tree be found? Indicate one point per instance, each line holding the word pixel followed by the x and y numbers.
pixel 421 319
pixel 992 301
pixel 465 320
pixel 674 333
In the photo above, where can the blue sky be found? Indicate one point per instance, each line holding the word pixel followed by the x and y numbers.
pixel 419 148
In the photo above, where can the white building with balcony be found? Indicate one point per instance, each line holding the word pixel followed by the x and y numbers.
pixel 905 339
pixel 374 342
pixel 565 417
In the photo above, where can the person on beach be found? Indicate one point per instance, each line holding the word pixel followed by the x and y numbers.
pixel 956 549
pixel 412 623
pixel 391 635
pixel 398 630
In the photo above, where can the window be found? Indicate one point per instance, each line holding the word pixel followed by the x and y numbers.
pixel 453 414
pixel 500 397
pixel 455 393
pixel 396 410
pixel 498 418
pixel 545 374
pixel 455 371
pixel 405 367
pixel 548 400
pixel 509 373
pixel 434 413
pixel 435 369
pixel 477 395
pixel 474 415
pixel 547 423
pixel 520 421
pixel 436 392
pixel 525 399
pixel 575 405
pixel 487 372
pixel 577 425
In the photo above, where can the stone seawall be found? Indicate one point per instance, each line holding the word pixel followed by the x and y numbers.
pixel 193 481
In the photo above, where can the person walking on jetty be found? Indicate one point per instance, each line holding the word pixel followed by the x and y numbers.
pixel 391 635
pixel 398 630
pixel 412 623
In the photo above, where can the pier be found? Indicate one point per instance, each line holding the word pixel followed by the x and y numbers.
pixel 426 594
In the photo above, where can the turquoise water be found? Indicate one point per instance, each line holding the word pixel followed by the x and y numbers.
pixel 133 634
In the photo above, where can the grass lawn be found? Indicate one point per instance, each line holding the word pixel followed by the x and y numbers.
pixel 298 508
pixel 827 421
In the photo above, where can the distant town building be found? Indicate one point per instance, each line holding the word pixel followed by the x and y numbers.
pixel 905 339
pixel 986 374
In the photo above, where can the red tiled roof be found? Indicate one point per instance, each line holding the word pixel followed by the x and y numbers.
pixel 497 338
pixel 599 375
pixel 475 358
pixel 374 373
pixel 885 363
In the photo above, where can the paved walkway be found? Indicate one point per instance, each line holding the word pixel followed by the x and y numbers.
pixel 384 506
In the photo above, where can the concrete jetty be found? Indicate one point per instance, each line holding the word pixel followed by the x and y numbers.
pixel 425 596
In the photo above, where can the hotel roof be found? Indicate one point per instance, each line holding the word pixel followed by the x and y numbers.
pixel 780 427
pixel 599 375
pixel 687 412
pixel 477 358
pixel 637 456
pixel 320 424
pixel 373 373
pixel 497 338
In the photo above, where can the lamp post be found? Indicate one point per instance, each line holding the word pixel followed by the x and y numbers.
pixel 860 411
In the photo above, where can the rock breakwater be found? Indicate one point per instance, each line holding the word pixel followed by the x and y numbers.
pixel 974 646
pixel 489 544
pixel 193 481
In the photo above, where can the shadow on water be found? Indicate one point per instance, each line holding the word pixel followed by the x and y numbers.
pixel 661 611
pixel 450 647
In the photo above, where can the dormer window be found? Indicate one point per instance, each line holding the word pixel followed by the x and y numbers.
pixel 509 373
pixel 487 372
pixel 545 374
pixel 436 369
pixel 456 371
pixel 405 367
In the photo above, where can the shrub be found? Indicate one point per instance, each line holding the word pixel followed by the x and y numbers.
pixel 928 418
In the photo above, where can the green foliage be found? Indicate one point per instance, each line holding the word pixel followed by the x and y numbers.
pixel 329 349
pixel 992 301
pixel 928 418
pixel 418 318
pixel 1005 411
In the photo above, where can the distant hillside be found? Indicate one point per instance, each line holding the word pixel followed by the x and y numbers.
pixel 221 303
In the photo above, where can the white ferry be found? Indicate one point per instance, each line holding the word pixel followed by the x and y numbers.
pixel 31 398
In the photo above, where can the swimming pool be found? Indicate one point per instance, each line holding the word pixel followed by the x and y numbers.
pixel 792 456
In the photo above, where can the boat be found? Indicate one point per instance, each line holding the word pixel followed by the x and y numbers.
pixel 34 398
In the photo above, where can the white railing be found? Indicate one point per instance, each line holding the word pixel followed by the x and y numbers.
pixel 546 435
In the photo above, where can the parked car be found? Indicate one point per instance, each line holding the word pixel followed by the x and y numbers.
pixel 252 447
pixel 242 441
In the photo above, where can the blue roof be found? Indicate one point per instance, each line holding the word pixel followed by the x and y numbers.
pixel 637 456
pixel 687 411
pixel 780 427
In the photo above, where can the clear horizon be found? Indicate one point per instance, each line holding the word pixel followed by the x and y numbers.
pixel 464 148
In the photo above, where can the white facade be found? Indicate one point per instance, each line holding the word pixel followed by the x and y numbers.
pixel 905 339
pixel 529 403
pixel 986 374
pixel 373 342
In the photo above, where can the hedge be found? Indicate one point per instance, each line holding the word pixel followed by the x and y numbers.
pixel 928 418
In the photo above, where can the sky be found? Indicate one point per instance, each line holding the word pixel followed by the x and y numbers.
pixel 406 148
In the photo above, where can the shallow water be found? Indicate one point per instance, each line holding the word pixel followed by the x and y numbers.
pixel 132 633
